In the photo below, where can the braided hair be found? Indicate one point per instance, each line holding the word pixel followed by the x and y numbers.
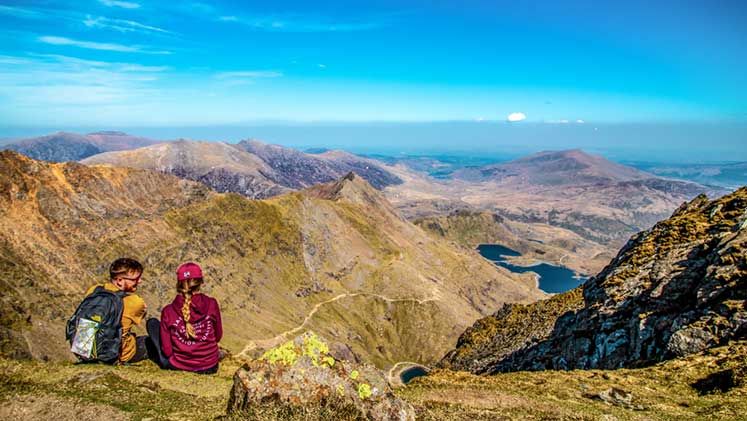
pixel 187 288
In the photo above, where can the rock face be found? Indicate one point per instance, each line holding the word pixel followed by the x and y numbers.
pixel 302 373
pixel 674 290
pixel 513 328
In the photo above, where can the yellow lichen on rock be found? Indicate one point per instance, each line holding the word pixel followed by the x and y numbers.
pixel 285 353
pixel 289 352
pixel 364 391
pixel 315 348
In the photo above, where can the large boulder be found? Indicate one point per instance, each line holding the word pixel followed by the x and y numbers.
pixel 302 378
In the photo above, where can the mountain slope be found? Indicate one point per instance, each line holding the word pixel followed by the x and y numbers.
pixel 62 146
pixel 673 290
pixel 344 265
pixel 553 168
pixel 220 166
pixel 592 197
pixel 296 169
pixel 558 246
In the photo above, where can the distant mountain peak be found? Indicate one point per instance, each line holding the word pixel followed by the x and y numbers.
pixel 351 185
pixel 65 146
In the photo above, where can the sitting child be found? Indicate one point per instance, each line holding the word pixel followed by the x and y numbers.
pixel 187 336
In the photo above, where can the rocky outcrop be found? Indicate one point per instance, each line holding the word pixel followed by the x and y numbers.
pixel 674 290
pixel 513 328
pixel 303 374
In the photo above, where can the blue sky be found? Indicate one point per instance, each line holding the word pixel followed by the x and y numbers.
pixel 146 62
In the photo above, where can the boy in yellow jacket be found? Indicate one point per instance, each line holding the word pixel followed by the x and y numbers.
pixel 125 275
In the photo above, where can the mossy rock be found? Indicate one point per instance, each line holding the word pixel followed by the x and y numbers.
pixel 301 373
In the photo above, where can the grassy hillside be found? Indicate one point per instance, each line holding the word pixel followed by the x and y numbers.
pixel 709 385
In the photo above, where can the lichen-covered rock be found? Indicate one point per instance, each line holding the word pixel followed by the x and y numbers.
pixel 674 290
pixel 302 373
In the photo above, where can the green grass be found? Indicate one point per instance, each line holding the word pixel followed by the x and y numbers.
pixel 666 391
pixel 710 385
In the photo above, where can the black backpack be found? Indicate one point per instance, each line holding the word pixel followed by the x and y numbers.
pixel 97 322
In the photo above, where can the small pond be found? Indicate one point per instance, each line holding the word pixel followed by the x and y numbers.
pixel 411 373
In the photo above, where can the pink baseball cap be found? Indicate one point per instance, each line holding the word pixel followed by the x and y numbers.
pixel 188 270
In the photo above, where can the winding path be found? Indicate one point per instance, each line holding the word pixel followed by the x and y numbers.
pixel 277 340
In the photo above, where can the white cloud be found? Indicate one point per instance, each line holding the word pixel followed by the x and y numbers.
pixel 514 117
pixel 290 23
pixel 120 25
pixel 122 4
pixel 19 12
pixel 322 66
pixel 126 67
pixel 251 74
pixel 11 60
pixel 98 45
pixel 580 121
pixel 40 80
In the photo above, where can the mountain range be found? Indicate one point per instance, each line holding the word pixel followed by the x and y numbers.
pixel 336 258
pixel 340 259
pixel 64 146
pixel 250 168
pixel 578 208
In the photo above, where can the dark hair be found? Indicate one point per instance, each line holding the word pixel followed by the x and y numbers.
pixel 124 265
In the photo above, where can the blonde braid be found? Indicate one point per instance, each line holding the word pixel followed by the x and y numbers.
pixel 187 288
pixel 185 314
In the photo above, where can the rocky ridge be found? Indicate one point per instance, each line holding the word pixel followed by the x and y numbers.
pixel 250 168
pixel 218 165
pixel 295 169
pixel 673 290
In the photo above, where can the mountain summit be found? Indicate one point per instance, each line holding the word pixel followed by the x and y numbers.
pixel 555 168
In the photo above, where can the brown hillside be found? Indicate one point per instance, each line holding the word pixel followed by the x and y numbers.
pixel 352 270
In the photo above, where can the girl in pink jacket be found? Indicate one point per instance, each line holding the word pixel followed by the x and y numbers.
pixel 190 326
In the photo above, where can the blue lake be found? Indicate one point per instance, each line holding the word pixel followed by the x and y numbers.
pixel 411 373
pixel 552 278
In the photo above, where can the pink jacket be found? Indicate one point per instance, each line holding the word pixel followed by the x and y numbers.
pixel 191 354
